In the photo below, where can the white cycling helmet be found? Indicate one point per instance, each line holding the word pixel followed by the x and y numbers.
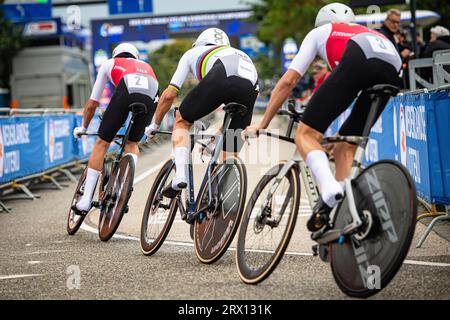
pixel 335 13
pixel 212 36
pixel 126 48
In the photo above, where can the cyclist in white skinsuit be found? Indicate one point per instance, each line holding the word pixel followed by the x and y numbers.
pixel 360 58
pixel 226 75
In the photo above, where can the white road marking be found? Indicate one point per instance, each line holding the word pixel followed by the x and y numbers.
pixel 148 173
pixel 144 175
pixel 34 262
pixel 426 263
pixel 44 252
pixel 17 276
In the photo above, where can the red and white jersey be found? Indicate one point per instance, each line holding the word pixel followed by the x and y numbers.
pixel 329 42
pixel 117 69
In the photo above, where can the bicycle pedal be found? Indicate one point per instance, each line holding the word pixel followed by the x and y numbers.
pixel 315 250
pixel 96 204
pixel 190 219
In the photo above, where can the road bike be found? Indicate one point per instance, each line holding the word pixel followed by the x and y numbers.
pixel 215 214
pixel 368 233
pixel 116 186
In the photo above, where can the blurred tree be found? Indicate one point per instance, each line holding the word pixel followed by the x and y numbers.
pixel 165 60
pixel 11 42
pixel 281 19
pixel 266 66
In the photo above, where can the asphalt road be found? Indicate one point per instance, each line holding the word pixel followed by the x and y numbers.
pixel 39 260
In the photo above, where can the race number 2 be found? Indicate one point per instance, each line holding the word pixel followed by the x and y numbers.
pixel 138 81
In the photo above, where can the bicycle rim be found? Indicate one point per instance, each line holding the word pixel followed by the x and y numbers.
pixel 119 188
pixel 261 246
pixel 75 221
pixel 156 221
pixel 213 235
pixel 362 268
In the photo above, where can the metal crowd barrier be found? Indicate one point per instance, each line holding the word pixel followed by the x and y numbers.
pixel 440 76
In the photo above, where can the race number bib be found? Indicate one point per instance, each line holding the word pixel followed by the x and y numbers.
pixel 246 70
pixel 380 45
pixel 137 81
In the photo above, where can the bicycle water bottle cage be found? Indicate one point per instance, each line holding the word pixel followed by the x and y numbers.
pixel 234 108
pixel 138 108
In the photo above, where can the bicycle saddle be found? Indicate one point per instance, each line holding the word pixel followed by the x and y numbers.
pixel 138 108
pixel 233 108
pixel 384 89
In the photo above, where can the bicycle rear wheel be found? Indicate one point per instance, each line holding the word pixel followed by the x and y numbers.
pixel 118 192
pixel 159 212
pixel 368 261
pixel 74 221
pixel 267 225
pixel 214 233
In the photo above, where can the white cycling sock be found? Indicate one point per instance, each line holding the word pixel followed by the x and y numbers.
pixel 135 158
pixel 318 162
pixel 84 204
pixel 181 164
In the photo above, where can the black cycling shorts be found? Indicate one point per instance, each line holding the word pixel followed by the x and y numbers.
pixel 354 73
pixel 216 89
pixel 117 113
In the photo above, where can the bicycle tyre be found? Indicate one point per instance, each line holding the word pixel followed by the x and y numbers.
pixel 110 221
pixel 149 248
pixel 205 252
pixel 394 203
pixel 75 221
pixel 247 274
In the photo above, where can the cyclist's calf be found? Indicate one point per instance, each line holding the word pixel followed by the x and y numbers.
pixel 307 139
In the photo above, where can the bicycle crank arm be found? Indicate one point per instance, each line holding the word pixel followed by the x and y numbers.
pixel 326 237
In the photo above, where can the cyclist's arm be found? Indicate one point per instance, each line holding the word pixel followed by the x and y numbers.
pixel 96 95
pixel 89 112
pixel 164 104
pixel 169 95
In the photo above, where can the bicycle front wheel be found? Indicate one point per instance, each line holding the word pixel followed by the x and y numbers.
pixel 118 192
pixel 159 212
pixel 267 225
pixel 385 195
pixel 75 221
pixel 214 233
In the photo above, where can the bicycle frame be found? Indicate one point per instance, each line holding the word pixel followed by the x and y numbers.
pixel 325 236
pixel 189 210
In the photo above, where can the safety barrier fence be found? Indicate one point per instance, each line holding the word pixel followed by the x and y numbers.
pixel 430 73
pixel 36 146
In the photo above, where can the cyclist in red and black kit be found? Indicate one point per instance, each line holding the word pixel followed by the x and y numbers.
pixel 360 58
pixel 135 81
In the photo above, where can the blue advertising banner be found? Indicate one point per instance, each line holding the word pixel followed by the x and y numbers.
pixel 58 143
pixel 21 141
pixel 413 131
pixel 84 146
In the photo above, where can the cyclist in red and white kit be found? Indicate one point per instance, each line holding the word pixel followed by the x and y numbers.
pixel 135 81
pixel 360 58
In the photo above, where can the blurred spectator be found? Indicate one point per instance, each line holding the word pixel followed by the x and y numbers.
pixel 439 40
pixel 321 73
pixel 304 87
pixel 391 25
